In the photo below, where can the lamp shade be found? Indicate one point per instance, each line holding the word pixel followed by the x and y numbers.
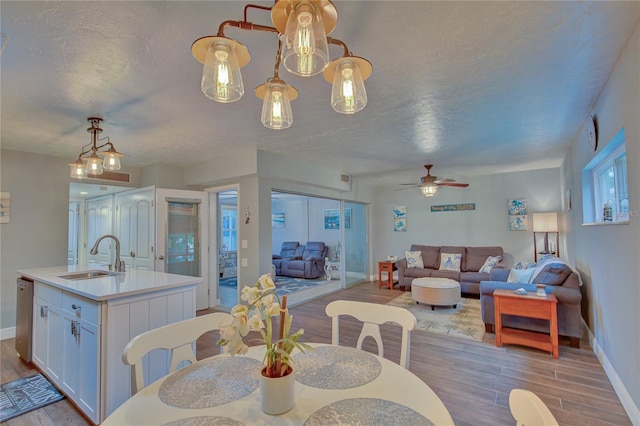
pixel 276 108
pixel 306 52
pixel 348 94
pixel 78 169
pixel 429 190
pixel 221 76
pixel 545 222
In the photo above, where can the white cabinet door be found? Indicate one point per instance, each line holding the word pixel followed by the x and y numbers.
pixel 135 227
pixel 81 372
pixel 70 349
pixel 54 337
pixel 89 370
pixel 40 335
pixel 99 220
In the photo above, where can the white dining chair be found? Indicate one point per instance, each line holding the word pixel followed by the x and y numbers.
pixel 372 315
pixel 529 410
pixel 178 337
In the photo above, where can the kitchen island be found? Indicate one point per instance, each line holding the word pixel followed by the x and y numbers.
pixel 83 318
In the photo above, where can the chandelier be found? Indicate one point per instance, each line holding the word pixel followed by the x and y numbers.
pixel 89 161
pixel 302 27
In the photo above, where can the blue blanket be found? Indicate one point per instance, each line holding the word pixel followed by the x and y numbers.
pixel 548 260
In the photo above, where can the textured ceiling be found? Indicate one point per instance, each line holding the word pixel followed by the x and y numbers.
pixel 468 86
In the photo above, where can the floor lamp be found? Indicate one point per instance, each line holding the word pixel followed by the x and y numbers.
pixel 545 223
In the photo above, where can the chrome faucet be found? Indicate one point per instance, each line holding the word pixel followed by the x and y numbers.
pixel 119 264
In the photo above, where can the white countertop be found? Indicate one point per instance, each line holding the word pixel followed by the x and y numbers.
pixel 127 283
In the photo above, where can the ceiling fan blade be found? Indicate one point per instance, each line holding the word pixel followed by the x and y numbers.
pixel 414 184
pixel 408 187
pixel 444 180
pixel 459 185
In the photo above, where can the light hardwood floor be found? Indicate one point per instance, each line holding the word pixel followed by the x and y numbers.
pixel 473 379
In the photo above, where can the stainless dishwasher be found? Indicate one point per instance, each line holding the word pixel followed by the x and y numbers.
pixel 24 318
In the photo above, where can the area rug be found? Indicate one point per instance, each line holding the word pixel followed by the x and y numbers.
pixel 228 282
pixel 464 321
pixel 26 394
pixel 284 285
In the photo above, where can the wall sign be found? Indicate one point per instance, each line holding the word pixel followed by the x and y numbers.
pixel 453 207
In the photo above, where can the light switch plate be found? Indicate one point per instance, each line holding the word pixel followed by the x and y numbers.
pixel 244 244
pixel 244 262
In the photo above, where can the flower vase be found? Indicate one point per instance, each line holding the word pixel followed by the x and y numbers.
pixel 276 393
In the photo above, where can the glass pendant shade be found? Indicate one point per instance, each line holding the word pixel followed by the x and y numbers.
pixel 306 52
pixel 221 76
pixel 111 160
pixel 348 94
pixel 78 170
pixel 94 165
pixel 429 190
pixel 276 109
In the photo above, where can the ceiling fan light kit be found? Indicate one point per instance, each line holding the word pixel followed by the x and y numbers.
pixel 302 28
pixel 89 161
pixel 429 184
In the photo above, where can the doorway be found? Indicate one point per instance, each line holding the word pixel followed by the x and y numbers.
pixel 226 238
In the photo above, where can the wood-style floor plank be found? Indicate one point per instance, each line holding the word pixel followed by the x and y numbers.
pixel 473 379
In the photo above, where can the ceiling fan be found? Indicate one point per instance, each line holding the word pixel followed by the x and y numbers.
pixel 429 184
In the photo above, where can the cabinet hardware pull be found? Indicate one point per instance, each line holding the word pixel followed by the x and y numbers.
pixel 44 311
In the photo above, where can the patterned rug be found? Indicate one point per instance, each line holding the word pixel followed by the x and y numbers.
pixel 464 321
pixel 26 394
pixel 284 285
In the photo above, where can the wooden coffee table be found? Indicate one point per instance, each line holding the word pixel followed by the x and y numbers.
pixel 530 306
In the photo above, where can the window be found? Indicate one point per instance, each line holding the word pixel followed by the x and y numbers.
pixel 230 228
pixel 606 191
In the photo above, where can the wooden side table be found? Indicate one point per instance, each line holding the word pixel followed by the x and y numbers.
pixel 388 267
pixel 530 306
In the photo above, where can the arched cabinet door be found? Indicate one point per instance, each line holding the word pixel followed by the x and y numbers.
pixel 135 227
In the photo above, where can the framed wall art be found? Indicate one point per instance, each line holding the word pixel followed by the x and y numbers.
pixel 277 220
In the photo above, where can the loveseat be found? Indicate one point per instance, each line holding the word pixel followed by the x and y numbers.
pixel 560 280
pixel 301 261
pixel 469 277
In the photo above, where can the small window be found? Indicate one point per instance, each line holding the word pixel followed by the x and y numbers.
pixel 606 191
pixel 230 228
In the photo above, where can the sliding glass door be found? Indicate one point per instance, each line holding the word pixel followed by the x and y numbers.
pixel 355 242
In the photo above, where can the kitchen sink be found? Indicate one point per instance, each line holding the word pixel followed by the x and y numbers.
pixel 87 275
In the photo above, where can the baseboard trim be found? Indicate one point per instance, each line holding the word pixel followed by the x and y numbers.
pixel 625 399
pixel 7 333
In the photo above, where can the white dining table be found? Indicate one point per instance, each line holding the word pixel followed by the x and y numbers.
pixel 334 385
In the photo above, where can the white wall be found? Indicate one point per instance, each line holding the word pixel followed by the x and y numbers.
pixel 607 255
pixel 296 222
pixel 36 235
pixel 487 225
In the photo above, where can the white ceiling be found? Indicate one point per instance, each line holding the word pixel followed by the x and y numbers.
pixel 472 87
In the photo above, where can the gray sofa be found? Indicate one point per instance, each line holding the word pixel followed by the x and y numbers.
pixel 469 278
pixel 301 261
pixel 560 280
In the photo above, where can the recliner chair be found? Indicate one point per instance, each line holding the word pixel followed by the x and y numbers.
pixel 309 266
pixel 288 250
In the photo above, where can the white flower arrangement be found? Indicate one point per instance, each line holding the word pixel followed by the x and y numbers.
pixel 263 305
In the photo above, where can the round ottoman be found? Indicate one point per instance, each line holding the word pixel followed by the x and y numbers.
pixel 436 291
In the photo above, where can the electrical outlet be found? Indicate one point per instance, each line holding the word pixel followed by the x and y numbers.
pixel 244 262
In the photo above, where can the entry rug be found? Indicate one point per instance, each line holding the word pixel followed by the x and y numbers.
pixel 464 321
pixel 26 394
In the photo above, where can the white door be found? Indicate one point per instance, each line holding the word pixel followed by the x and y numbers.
pixel 135 227
pixel 99 215
pixel 182 244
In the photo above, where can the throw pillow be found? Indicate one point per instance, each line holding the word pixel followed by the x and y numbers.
pixel 450 261
pixel 490 263
pixel 414 259
pixel 520 275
